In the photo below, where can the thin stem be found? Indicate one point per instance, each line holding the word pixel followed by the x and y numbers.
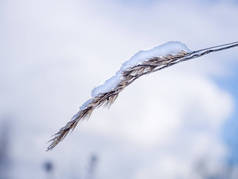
pixel 219 47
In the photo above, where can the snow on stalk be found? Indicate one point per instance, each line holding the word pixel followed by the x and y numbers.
pixel 142 63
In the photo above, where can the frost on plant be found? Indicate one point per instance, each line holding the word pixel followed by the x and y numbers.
pixel 142 63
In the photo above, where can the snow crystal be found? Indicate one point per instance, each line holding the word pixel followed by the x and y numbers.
pixel 85 105
pixel 171 48
pixel 108 85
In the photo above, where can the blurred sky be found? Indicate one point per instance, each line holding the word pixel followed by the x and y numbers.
pixel 54 52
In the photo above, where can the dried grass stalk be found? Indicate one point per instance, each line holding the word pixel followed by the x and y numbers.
pixel 151 65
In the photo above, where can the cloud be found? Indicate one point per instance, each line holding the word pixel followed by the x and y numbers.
pixel 56 52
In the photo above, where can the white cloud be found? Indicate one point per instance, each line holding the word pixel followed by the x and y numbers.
pixel 56 52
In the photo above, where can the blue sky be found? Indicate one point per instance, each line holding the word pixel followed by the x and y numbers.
pixel 230 129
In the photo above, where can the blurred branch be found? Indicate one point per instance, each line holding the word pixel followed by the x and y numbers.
pixel 4 150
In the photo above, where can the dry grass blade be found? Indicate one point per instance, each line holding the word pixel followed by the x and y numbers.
pixel 151 65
